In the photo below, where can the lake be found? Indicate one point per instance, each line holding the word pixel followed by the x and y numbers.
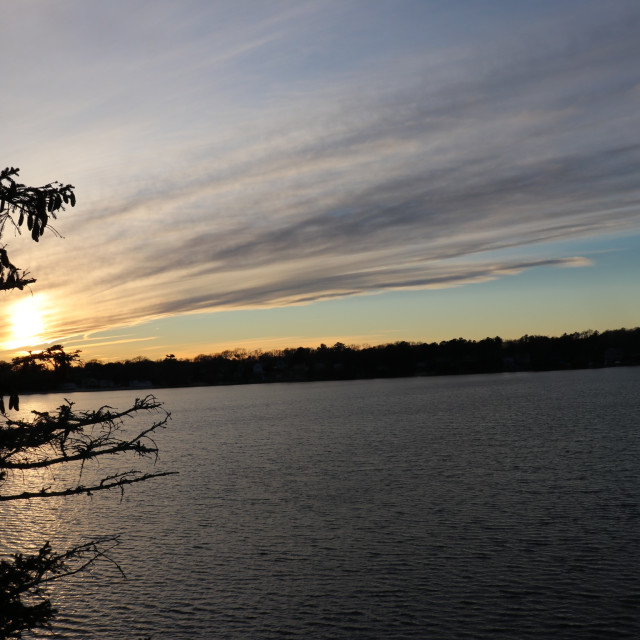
pixel 496 506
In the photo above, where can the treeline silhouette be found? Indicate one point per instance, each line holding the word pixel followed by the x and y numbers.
pixel 588 349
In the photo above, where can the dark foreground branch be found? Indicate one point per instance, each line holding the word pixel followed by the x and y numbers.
pixel 23 601
pixel 105 483
pixel 66 436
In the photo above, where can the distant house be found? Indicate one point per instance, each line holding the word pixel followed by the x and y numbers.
pixel 140 384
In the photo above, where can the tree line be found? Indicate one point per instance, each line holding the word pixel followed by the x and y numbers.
pixel 588 349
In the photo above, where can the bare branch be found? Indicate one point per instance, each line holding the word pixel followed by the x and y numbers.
pixel 79 490
pixel 93 447
pixel 49 439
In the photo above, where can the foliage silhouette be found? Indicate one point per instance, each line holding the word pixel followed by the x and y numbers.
pixel 586 349
pixel 54 440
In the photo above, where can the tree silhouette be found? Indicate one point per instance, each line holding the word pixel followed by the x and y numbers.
pixel 63 438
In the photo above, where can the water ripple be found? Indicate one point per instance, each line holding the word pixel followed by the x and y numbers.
pixel 474 507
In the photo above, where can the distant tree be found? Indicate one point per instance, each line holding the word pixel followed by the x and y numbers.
pixel 63 438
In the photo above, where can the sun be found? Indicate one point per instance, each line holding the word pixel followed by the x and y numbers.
pixel 27 322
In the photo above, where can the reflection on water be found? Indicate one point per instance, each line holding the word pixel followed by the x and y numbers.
pixel 471 507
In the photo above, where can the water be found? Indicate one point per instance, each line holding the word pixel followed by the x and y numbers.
pixel 465 507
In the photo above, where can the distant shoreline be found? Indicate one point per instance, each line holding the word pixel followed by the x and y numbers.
pixel 585 350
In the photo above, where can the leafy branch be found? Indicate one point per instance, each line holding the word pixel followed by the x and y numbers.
pixel 35 205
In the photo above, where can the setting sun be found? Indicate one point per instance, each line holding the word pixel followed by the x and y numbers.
pixel 27 322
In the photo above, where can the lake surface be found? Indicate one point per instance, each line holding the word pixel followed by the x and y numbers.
pixel 503 506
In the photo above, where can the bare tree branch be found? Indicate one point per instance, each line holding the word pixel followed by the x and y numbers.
pixel 120 481
pixel 63 437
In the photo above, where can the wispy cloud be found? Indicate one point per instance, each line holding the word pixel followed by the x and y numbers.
pixel 414 172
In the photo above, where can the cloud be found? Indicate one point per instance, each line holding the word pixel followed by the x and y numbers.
pixel 410 173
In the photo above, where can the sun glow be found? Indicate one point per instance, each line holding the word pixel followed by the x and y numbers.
pixel 27 317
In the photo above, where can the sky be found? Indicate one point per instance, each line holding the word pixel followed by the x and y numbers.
pixel 269 174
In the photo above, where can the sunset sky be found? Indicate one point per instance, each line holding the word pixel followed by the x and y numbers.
pixel 263 174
